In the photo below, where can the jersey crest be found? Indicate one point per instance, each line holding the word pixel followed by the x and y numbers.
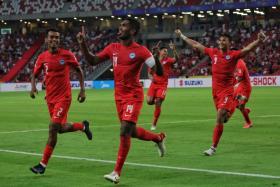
pixel 132 55
pixel 62 62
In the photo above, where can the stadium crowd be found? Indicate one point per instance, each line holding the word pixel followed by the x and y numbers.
pixel 101 5
pixel 264 61
pixel 12 47
pixel 54 6
pixel 30 7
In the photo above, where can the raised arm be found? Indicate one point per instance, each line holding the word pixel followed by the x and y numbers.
pixel 192 43
pixel 157 68
pixel 261 38
pixel 173 48
pixel 90 58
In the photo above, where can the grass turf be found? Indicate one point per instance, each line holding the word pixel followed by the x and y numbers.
pixel 188 117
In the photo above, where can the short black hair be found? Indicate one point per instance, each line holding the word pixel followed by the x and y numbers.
pixel 234 48
pixel 163 47
pixel 51 30
pixel 134 24
pixel 226 35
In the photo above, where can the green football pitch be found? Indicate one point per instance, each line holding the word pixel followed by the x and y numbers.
pixel 245 157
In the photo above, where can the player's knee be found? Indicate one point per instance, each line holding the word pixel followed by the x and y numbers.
pixel 150 101
pixel 127 129
pixel 158 102
pixel 241 107
pixel 222 116
pixel 54 128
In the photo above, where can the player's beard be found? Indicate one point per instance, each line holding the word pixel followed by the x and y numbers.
pixel 124 36
pixel 53 48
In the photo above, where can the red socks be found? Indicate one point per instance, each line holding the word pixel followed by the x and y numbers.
pixel 156 114
pixel 78 127
pixel 218 131
pixel 245 114
pixel 47 154
pixel 143 134
pixel 123 151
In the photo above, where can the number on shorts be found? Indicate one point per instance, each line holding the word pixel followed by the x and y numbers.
pixel 58 114
pixel 129 109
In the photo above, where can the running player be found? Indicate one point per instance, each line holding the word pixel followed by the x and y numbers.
pixel 157 90
pixel 128 58
pixel 223 66
pixel 242 91
pixel 56 63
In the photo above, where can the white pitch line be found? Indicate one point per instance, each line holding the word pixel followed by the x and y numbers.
pixel 268 116
pixel 22 131
pixel 146 123
pixel 105 126
pixel 150 165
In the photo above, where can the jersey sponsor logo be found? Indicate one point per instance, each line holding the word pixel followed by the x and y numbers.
pixel 132 55
pixel 62 62
pixel 227 57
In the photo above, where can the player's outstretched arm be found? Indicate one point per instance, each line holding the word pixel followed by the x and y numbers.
pixel 33 86
pixel 158 67
pixel 192 43
pixel 90 58
pixel 82 96
pixel 261 38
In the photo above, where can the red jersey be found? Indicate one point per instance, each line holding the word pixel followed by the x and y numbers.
pixel 127 64
pixel 57 73
pixel 242 75
pixel 223 67
pixel 167 68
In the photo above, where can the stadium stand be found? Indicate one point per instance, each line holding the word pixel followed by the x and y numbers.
pixel 30 7
pixel 166 3
pixel 264 61
pixel 97 40
pixel 16 49
pixel 101 5
pixel 191 63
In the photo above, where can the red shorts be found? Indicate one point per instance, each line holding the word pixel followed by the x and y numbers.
pixel 58 111
pixel 157 91
pixel 128 110
pixel 224 100
pixel 240 92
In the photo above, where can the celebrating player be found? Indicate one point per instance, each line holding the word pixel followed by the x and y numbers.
pixel 157 91
pixel 242 91
pixel 56 63
pixel 223 66
pixel 127 57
